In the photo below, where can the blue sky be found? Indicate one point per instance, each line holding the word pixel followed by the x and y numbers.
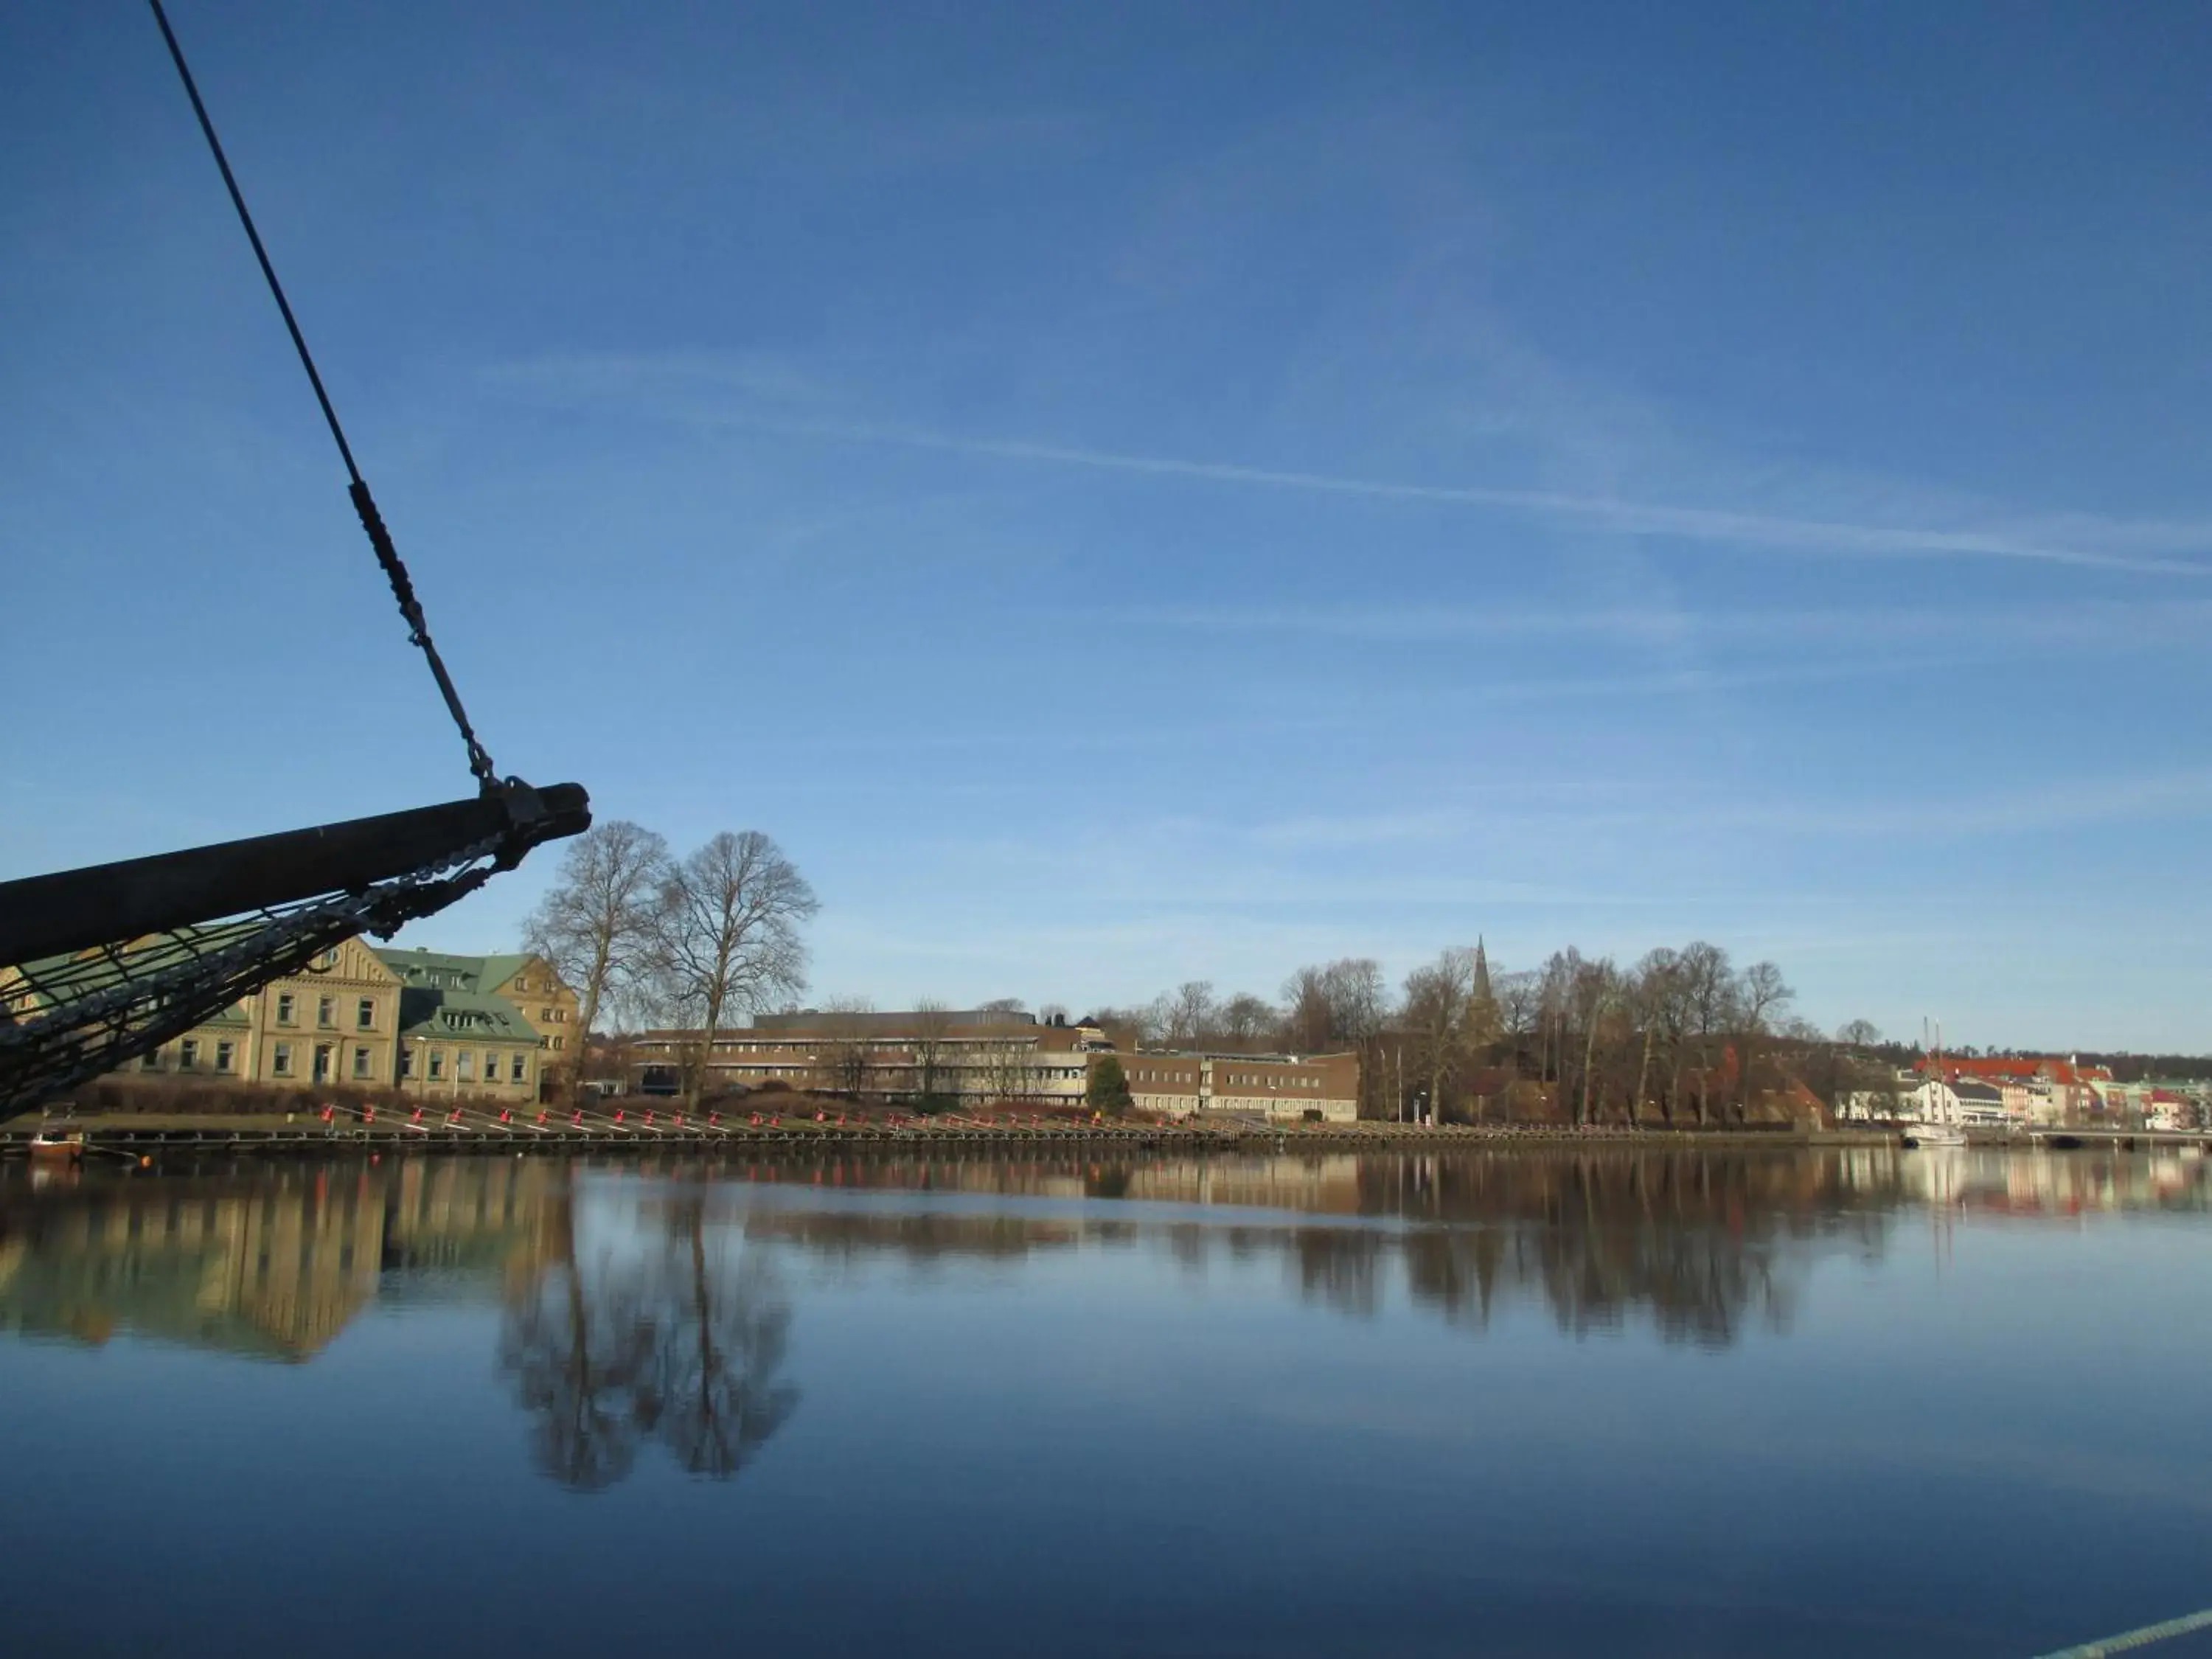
pixel 1139 493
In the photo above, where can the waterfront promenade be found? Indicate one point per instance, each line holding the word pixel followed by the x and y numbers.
pixel 617 1127
pixel 478 1127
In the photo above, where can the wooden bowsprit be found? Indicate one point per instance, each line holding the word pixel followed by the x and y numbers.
pixel 101 965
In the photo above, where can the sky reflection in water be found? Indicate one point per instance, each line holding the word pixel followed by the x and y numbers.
pixel 1531 1402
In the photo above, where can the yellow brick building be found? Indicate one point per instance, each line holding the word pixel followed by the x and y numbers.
pixel 337 1022
pixel 446 1027
pixel 528 984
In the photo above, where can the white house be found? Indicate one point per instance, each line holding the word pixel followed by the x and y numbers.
pixel 1932 1101
pixel 1981 1105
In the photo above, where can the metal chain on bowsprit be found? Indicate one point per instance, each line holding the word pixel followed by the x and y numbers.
pixel 387 556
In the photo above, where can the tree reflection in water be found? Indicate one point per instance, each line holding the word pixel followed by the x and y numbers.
pixel 580 1347
pixel 1700 1244
pixel 719 1346
pixel 607 1354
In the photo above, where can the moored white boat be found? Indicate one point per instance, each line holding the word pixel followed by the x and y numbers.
pixel 1935 1134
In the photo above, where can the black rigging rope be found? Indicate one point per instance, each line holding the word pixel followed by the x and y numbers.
pixel 387 556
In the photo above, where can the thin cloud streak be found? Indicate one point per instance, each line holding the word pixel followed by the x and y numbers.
pixel 2082 803
pixel 1709 525
pixel 624 379
pixel 2087 626
pixel 1226 846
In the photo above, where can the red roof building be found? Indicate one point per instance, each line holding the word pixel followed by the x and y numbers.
pixel 2023 1068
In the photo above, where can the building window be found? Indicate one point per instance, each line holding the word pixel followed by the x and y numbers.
pixel 281 1065
pixel 437 1064
pixel 360 1062
pixel 150 1060
pixel 406 1063
pixel 188 1054
pixel 326 1011
pixel 364 1014
pixel 284 1009
pixel 464 1065
pixel 322 1062
pixel 223 1051
pixel 328 959
pixel 557 1042
pixel 516 1068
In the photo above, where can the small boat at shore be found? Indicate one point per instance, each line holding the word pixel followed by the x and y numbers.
pixel 1940 1127
pixel 1935 1134
pixel 58 1146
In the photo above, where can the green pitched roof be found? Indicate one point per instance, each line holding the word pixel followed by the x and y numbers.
pixel 438 970
pixel 87 971
pixel 499 970
pixel 461 1016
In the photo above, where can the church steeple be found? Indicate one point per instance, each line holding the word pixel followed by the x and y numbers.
pixel 1484 1024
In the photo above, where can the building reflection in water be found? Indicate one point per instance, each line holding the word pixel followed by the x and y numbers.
pixel 667 1328
pixel 270 1260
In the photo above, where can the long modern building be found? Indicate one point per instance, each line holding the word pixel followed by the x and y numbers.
pixel 966 1057
pixel 1321 1087
pixel 980 1057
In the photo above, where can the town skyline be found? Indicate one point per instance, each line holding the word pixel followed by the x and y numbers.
pixel 1038 985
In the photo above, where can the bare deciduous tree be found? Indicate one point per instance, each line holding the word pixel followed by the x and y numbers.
pixel 1655 997
pixel 932 1020
pixel 1593 997
pixel 1859 1034
pixel 843 1060
pixel 1520 1007
pixel 1246 1019
pixel 1761 995
pixel 1341 1005
pixel 1191 1013
pixel 1708 989
pixel 726 936
pixel 1359 1000
pixel 1307 1026
pixel 595 924
pixel 1007 1075
pixel 1438 999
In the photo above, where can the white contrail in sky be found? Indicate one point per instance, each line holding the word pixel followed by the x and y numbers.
pixel 1599 513
pixel 636 381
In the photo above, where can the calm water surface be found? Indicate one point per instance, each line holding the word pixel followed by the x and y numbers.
pixel 1850 1402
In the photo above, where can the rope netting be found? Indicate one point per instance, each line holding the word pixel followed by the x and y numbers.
pixel 68 1019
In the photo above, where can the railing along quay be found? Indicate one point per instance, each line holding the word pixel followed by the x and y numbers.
pixel 475 1129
